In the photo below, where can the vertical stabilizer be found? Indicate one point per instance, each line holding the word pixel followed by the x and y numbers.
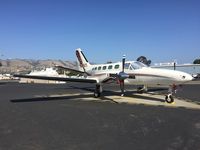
pixel 82 60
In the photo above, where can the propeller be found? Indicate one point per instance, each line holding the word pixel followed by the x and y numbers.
pixel 122 76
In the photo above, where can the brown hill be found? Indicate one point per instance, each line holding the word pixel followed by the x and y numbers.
pixel 26 65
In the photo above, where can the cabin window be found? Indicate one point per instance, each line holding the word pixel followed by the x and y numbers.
pixel 95 68
pixel 116 66
pixel 99 68
pixel 104 67
pixel 110 67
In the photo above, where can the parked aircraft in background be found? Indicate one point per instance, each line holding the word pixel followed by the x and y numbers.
pixel 125 72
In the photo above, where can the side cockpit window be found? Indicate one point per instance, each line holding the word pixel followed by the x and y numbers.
pixel 126 66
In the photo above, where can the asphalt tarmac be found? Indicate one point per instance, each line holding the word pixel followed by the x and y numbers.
pixel 67 117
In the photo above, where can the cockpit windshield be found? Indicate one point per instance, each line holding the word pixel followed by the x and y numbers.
pixel 137 65
pixel 127 65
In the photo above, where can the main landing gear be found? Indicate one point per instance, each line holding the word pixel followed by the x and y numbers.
pixel 142 90
pixel 97 91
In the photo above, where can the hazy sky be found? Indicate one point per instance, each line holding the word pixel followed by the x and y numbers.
pixel 162 30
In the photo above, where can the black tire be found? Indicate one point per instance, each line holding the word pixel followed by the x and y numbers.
pixel 97 91
pixel 169 98
pixel 96 94
pixel 140 90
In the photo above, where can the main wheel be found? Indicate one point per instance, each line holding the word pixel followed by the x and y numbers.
pixel 140 90
pixel 97 94
pixel 97 91
pixel 169 98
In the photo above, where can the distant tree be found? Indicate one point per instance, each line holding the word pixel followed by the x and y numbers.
pixel 0 64
pixel 144 60
pixel 196 61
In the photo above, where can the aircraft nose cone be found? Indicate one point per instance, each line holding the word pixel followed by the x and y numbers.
pixel 186 77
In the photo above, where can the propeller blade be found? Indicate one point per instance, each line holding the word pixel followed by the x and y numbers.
pixel 123 62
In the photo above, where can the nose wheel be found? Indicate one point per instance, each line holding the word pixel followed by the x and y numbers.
pixel 169 98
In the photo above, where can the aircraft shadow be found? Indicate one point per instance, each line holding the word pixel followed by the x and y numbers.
pixel 3 83
pixel 58 98
pixel 127 93
pixel 132 94
pixel 90 89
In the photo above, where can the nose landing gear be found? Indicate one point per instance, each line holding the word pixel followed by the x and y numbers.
pixel 169 97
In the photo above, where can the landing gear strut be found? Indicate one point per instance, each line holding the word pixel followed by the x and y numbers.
pixel 97 91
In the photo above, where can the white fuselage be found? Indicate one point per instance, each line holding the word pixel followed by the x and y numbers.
pixel 143 75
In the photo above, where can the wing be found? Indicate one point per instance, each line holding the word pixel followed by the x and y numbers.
pixel 85 80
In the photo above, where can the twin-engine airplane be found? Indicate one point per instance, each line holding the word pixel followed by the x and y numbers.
pixel 125 72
